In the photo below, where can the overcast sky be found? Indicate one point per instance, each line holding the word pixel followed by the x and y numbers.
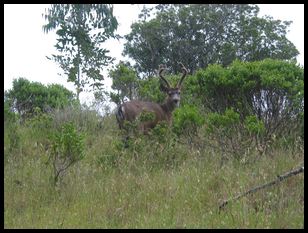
pixel 26 46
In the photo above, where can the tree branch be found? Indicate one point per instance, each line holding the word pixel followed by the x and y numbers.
pixel 277 180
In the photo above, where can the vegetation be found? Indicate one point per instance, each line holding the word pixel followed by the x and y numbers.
pixel 203 34
pixel 154 183
pixel 239 131
pixel 256 100
pixel 270 90
pixel 124 83
pixel 25 98
pixel 81 28
pixel 67 149
pixel 173 177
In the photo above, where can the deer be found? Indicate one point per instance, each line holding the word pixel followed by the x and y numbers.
pixel 130 110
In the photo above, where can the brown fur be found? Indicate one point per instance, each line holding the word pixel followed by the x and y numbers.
pixel 129 111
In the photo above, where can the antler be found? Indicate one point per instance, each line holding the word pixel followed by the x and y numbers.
pixel 161 69
pixel 185 71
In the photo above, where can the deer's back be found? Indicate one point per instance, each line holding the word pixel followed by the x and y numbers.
pixel 134 108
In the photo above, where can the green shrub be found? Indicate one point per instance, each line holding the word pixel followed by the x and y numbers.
pixel 231 135
pixel 253 125
pixel 26 96
pixel 226 122
pixel 187 119
pixel 271 90
pixel 67 149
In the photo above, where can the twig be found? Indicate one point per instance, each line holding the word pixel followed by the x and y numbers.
pixel 279 179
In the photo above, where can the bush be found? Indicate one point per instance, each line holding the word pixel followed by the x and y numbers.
pixel 253 125
pixel 271 90
pixel 230 135
pixel 187 120
pixel 67 149
pixel 26 96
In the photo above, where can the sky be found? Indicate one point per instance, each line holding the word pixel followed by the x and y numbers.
pixel 26 45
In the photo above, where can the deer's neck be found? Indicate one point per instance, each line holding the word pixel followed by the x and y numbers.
pixel 168 107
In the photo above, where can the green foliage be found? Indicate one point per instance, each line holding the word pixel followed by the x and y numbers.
pixel 271 90
pixel 233 137
pixel 67 149
pixel 227 132
pixel 9 115
pixel 124 82
pixel 60 97
pixel 187 120
pixel 25 97
pixel 127 85
pixel 69 143
pixel 146 116
pixel 254 125
pixel 229 124
pixel 161 130
pixel 225 121
pixel 203 34
pixel 81 28
pixel 149 90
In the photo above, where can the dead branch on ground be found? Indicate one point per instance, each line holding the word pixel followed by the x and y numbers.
pixel 277 180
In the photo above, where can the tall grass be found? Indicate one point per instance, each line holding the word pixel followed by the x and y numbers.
pixel 151 184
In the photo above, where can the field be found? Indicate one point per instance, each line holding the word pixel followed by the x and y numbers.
pixel 151 184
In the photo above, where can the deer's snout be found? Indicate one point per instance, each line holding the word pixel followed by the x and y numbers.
pixel 176 102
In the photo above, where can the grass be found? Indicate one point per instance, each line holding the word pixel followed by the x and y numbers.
pixel 153 185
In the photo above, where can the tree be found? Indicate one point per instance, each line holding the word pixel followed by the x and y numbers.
pixel 124 82
pixel 203 34
pixel 81 28
pixel 26 96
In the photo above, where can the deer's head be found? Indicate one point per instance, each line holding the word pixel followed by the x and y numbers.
pixel 174 93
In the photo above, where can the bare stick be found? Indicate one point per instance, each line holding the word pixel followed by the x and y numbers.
pixel 279 179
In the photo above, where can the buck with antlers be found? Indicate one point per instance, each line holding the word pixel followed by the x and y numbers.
pixel 129 111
